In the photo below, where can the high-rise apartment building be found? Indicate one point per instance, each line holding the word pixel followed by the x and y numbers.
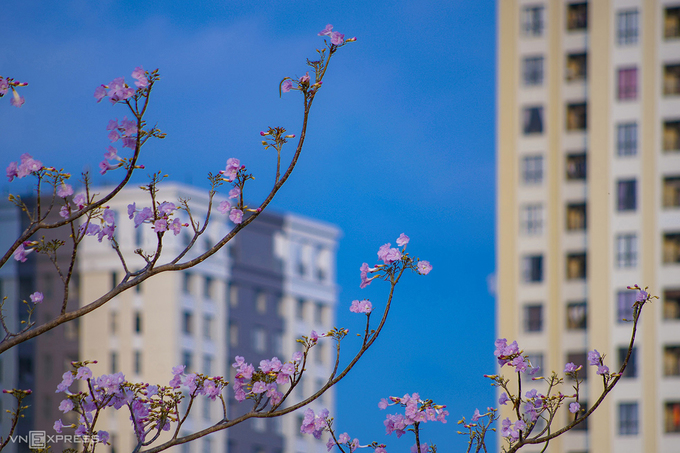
pixel 274 282
pixel 589 202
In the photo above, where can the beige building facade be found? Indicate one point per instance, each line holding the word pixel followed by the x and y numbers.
pixel 588 200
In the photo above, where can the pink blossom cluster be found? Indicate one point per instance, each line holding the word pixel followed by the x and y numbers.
pixel 117 90
pixel 25 167
pixel 6 84
pixel 196 383
pixel 271 374
pixel 361 306
pixel 107 391
pixel 509 354
pixel 161 221
pixel 105 228
pixel 230 174
pixel 389 256
pixel 80 201
pixel 337 38
pixel 314 424
pixel 126 132
pixel 416 411
pixel 508 429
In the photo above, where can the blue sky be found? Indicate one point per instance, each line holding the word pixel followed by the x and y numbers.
pixel 401 139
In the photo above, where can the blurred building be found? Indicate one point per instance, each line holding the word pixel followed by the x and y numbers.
pixel 589 202
pixel 274 282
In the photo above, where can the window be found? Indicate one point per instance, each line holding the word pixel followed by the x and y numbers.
pixel 671 360
pixel 532 20
pixel 532 170
pixel 624 305
pixel 187 360
pixel 627 198
pixel 576 67
pixel 627 87
pixel 671 135
pixel 626 139
pixel 209 288
pixel 139 237
pixel 531 219
pixel 208 327
pixel 114 362
pixel 577 116
pixel 207 442
pixel 628 419
pixel 320 352
pixel 207 365
pixel 318 313
pixel 577 315
pixel 671 304
pixel 532 269
pixel 300 309
pixel 261 302
pixel 671 248
pixel 533 318
pixel 113 322
pixel 579 358
pixel 259 339
pixel 138 288
pixel 671 79
pixel 576 167
pixel 186 283
pixel 627 27
pixel 138 362
pixel 532 120
pixel 631 368
pixel 576 216
pixel 671 22
pixel 577 16
pixel 138 322
pixel 114 280
pixel 233 295
pixel 233 333
pixel 187 322
pixel 626 250
pixel 671 192
pixel 533 71
pixel 672 416
pixel 576 266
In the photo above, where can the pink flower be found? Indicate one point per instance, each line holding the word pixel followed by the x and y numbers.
pixel 402 240
pixel 37 297
pixel 424 267
pixel 363 306
pixel 224 206
pixel 64 190
pixel 326 32
pixel 337 38
pixel 233 166
pixel 140 77
pixel 236 216
pixel 160 225
pixel 305 78
pixel 388 255
pixel 574 408
pixel 16 101
pixel 100 93
pixel 235 192
pixel 12 171
pixel 286 86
